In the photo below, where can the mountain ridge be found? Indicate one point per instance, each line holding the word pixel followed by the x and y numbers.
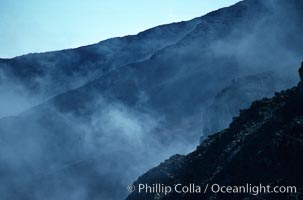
pixel 262 145
pixel 151 109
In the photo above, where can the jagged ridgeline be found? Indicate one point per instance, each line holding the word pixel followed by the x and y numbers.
pixel 263 145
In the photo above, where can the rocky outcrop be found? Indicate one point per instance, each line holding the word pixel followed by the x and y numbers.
pixel 300 85
pixel 263 145
pixel 239 94
pixel 301 72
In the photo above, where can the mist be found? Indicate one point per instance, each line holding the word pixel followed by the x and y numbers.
pixel 56 155
pixel 85 123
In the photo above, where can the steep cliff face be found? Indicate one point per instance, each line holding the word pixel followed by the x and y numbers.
pixel 301 72
pixel 263 145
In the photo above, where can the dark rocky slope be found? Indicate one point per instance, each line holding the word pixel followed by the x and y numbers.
pixel 239 94
pixel 263 145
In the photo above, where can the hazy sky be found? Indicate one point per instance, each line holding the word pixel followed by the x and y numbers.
pixel 28 26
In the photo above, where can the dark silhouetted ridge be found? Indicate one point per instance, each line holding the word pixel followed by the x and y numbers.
pixel 263 145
